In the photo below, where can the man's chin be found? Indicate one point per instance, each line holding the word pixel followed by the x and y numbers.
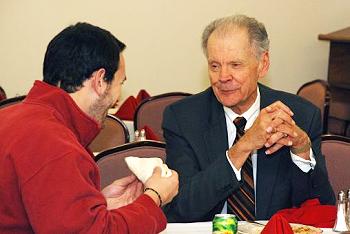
pixel 227 100
pixel 229 104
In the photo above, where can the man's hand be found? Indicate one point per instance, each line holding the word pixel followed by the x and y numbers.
pixel 293 136
pixel 122 192
pixel 261 131
pixel 267 125
pixel 284 132
pixel 273 128
pixel 166 187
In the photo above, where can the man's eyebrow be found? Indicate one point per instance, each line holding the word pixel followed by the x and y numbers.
pixel 212 61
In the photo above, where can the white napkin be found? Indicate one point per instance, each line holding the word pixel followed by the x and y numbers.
pixel 143 167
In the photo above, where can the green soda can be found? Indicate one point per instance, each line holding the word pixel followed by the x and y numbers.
pixel 225 224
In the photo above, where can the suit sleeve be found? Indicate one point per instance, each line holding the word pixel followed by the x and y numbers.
pixel 203 188
pixel 315 182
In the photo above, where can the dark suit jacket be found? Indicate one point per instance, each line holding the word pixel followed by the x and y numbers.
pixel 196 144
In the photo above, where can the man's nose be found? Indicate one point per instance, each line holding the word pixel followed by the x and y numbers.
pixel 224 74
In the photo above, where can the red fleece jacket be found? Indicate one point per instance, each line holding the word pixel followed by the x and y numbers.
pixel 49 183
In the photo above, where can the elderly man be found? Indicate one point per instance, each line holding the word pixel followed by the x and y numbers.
pixel 239 146
pixel 49 182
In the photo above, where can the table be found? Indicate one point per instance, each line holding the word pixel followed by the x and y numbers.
pixel 204 228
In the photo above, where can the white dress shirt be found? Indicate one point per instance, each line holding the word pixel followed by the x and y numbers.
pixel 250 115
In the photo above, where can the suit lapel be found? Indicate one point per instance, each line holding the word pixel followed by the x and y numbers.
pixel 266 177
pixel 215 135
pixel 267 165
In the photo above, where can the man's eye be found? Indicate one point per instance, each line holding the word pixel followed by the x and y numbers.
pixel 214 67
pixel 235 65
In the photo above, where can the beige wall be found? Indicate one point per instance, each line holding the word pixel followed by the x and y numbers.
pixel 163 38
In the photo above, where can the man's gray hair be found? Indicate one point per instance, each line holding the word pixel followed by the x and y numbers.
pixel 256 31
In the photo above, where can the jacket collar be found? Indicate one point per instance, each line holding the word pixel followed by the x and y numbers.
pixel 267 96
pixel 65 110
pixel 215 133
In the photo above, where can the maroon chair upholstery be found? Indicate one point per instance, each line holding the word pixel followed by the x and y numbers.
pixel 2 94
pixel 11 101
pixel 113 133
pixel 317 92
pixel 336 150
pixel 150 112
pixel 111 162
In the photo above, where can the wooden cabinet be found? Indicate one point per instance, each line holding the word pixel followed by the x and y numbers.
pixel 339 81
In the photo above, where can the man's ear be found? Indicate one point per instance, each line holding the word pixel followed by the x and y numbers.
pixel 98 84
pixel 264 64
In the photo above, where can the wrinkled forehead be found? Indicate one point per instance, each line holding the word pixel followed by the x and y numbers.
pixel 235 36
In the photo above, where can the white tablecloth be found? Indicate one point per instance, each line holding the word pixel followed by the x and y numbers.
pixel 203 228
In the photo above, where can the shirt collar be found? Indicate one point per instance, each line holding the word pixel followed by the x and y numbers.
pixel 65 109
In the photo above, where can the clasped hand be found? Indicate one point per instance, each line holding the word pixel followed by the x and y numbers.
pixel 275 128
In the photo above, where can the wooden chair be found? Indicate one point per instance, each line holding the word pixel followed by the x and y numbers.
pixel 11 101
pixel 113 133
pixel 317 92
pixel 336 150
pixel 150 112
pixel 111 162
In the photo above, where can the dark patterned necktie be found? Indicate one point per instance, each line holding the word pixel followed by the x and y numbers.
pixel 242 201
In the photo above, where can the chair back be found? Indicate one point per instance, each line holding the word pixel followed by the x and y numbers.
pixel 11 101
pixel 317 92
pixel 336 150
pixel 2 94
pixel 150 112
pixel 113 133
pixel 111 162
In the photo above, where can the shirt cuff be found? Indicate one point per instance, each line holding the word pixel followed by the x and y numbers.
pixel 237 172
pixel 303 164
